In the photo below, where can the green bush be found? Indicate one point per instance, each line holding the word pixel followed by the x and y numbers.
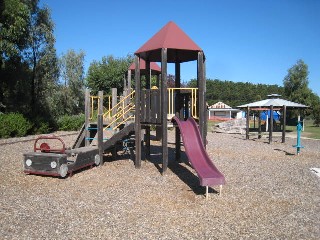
pixel 70 123
pixel 42 125
pixel 13 125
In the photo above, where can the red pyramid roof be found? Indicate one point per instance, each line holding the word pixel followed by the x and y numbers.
pixel 180 46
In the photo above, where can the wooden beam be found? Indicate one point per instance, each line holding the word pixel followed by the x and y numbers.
pixel 100 95
pixel 164 108
pixel 248 123
pixel 137 125
pixel 205 120
pixel 178 105
pixel 148 84
pixel 129 79
pixel 271 124
pixel 100 138
pixel 202 92
pixel 284 123
pixel 259 126
pixel 87 116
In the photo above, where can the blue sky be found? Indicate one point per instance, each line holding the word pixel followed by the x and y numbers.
pixel 244 41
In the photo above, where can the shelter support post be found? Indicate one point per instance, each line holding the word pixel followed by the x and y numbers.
pixel 259 126
pixel 164 107
pixel 247 123
pixel 271 124
pixel 137 124
pixel 284 119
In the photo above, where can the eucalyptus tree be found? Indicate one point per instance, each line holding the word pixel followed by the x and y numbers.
pixel 28 58
pixel 72 81
pixel 41 54
pixel 14 22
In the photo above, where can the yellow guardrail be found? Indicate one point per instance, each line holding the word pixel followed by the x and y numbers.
pixel 95 105
pixel 124 109
pixel 193 100
pixel 121 111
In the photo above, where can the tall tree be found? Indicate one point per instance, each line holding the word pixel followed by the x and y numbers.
pixel 41 53
pixel 14 22
pixel 28 58
pixel 296 83
pixel 72 74
pixel 108 73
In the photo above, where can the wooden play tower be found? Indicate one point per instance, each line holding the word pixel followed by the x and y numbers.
pixel 169 45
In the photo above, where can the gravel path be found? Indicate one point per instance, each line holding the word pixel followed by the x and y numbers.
pixel 270 194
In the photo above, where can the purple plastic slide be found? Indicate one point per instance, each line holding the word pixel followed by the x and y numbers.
pixel 198 157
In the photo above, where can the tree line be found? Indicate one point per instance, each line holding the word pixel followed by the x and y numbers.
pixel 43 86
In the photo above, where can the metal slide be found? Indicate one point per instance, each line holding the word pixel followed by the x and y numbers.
pixel 207 172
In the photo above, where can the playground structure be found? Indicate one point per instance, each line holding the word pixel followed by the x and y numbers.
pixel 137 111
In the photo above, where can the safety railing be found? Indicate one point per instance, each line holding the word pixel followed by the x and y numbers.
pixel 193 100
pixel 121 112
pixel 95 105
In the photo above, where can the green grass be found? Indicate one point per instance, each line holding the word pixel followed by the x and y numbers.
pixel 310 130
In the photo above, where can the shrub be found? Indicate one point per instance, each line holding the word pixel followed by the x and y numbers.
pixel 13 125
pixel 70 123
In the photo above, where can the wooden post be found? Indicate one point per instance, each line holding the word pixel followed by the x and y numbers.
pixel 205 119
pixel 114 103
pixel 202 104
pixel 124 83
pixel 158 128
pixel 87 116
pixel 248 123
pixel 148 79
pixel 259 126
pixel 271 124
pixel 178 104
pixel 129 79
pixel 114 100
pixel 100 138
pixel 100 95
pixel 137 124
pixel 284 118
pixel 164 108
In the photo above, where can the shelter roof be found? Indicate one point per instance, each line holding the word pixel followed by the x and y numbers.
pixel 276 102
pixel 181 48
pixel 155 69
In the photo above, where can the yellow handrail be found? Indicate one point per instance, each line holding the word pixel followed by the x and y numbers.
pixel 121 104
pixel 120 116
